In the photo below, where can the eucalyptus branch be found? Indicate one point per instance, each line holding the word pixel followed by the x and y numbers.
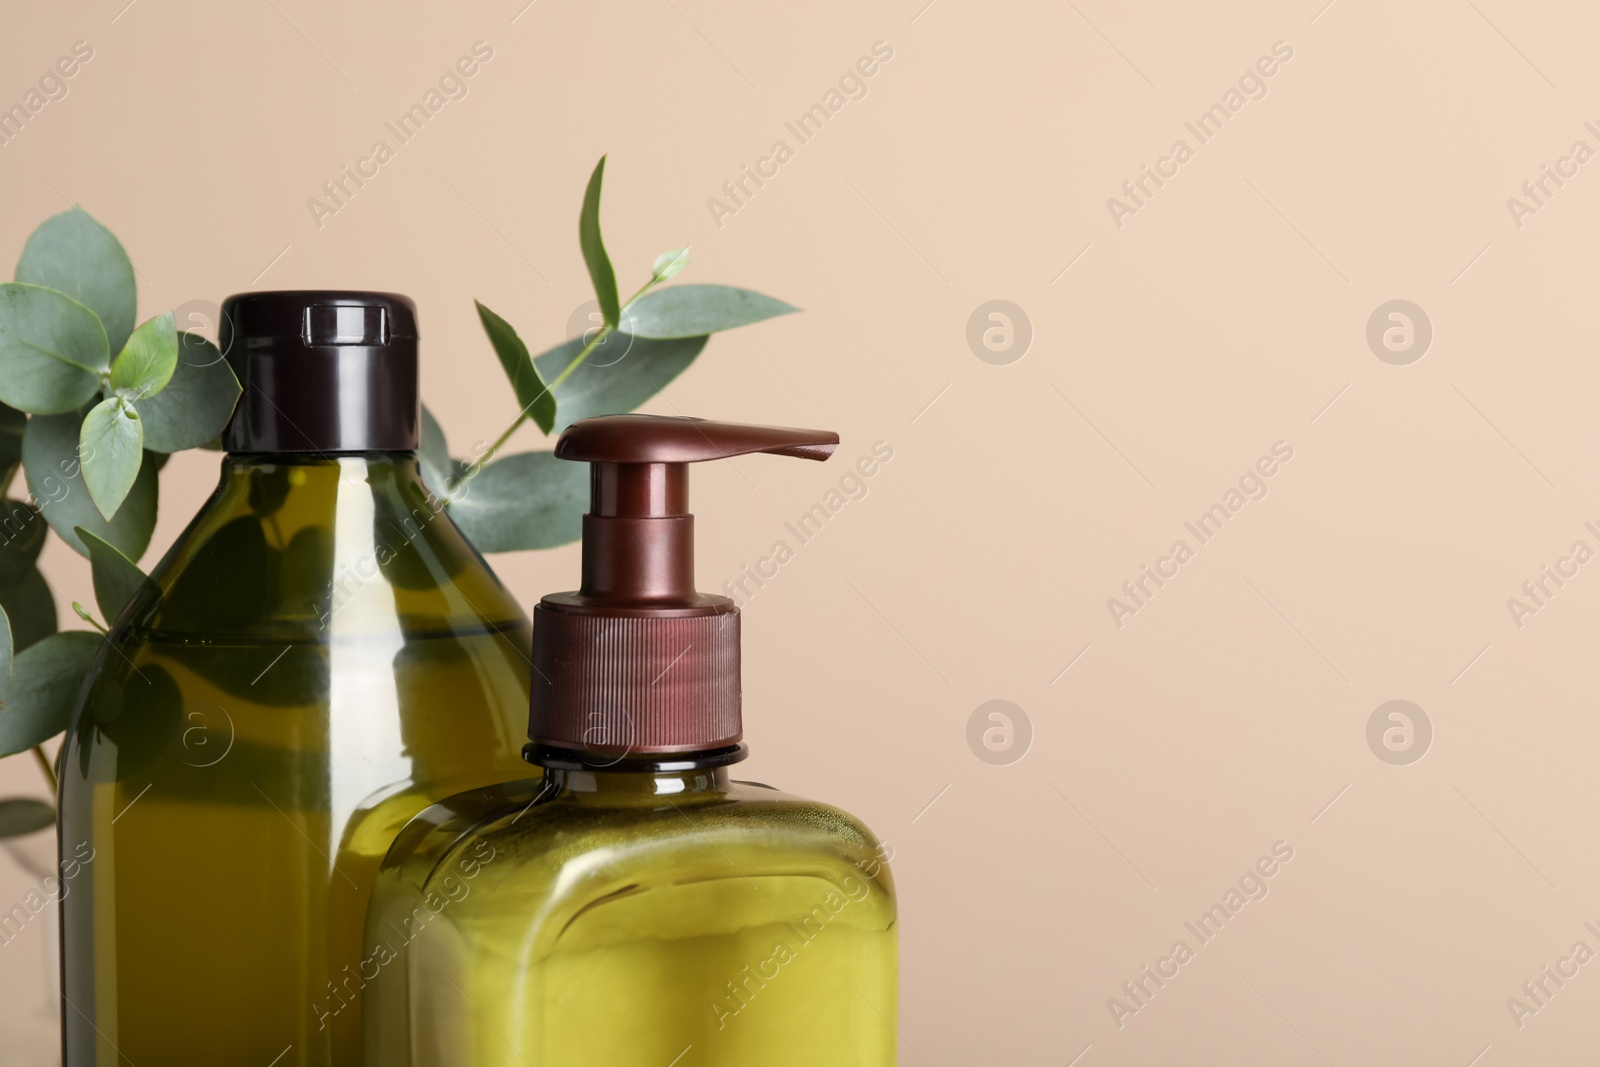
pixel 606 330
pixel 526 500
pixel 49 771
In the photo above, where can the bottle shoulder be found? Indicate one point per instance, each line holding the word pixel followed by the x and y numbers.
pixel 300 548
pixel 536 835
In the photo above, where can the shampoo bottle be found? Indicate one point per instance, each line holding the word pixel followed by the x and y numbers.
pixel 632 905
pixel 320 656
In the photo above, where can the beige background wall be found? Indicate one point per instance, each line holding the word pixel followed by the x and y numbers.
pixel 1226 314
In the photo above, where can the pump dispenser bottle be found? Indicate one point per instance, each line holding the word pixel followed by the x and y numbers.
pixel 320 656
pixel 632 905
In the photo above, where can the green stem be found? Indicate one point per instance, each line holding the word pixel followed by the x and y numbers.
pixel 83 613
pixel 522 418
pixel 49 771
pixel 600 336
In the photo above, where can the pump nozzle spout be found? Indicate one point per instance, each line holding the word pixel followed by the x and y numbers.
pixel 673 439
pixel 638 537
pixel 637 649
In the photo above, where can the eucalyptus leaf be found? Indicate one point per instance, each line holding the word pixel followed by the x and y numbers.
pixel 409 557
pixel 117 579
pixel 304 569
pixel 434 454
pixel 535 397
pixel 524 501
pixel 269 488
pixel 146 362
pixel 45 682
pixel 645 367
pixel 52 350
pixel 7 652
pixel 12 425
pixel 691 310
pixel 112 450
pixel 20 816
pixel 22 535
pixel 257 674
pixel 669 263
pixel 227 582
pixel 31 608
pixel 75 254
pixel 144 719
pixel 594 249
pixel 55 478
pixel 196 404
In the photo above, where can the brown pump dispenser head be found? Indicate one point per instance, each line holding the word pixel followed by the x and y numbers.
pixel 637 662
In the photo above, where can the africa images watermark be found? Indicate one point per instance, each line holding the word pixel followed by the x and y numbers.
pixel 51 485
pixel 455 889
pixel 1252 85
pixel 351 179
pixel 52 889
pixel 51 86
pixel 352 577
pixel 852 85
pixel 1538 992
pixel 1252 485
pixel 1252 886
pixel 1537 592
pixel 747 985
pixel 1538 192
pixel 852 485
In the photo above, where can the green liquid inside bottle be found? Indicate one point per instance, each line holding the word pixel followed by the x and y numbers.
pixel 322 656
pixel 635 920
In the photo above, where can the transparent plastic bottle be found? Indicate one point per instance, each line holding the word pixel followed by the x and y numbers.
pixel 632 906
pixel 320 656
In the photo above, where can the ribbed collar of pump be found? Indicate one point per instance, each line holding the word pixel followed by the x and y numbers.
pixel 637 663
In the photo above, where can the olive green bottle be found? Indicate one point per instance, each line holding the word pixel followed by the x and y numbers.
pixel 631 905
pixel 319 657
